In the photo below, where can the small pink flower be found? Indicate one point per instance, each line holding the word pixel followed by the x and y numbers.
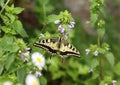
pixel 57 21
pixel 70 27
pixel 114 82
pixel 87 51
pixel 106 84
pixel 61 29
pixel 25 55
pixel 96 53
pixel 38 74
pixel 90 70
pixel 22 55
pixel 72 23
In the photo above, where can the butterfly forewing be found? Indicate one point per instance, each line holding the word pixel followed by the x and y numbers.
pixel 51 45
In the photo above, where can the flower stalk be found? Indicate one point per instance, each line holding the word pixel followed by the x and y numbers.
pixel 100 60
pixel 4 6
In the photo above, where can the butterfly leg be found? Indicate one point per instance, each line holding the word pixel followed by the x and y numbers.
pixel 62 59
pixel 51 56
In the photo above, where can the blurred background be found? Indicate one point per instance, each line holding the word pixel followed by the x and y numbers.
pixel 75 71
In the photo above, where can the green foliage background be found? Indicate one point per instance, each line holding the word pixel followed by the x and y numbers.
pixel 24 31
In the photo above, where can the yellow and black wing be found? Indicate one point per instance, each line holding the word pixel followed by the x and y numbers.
pixel 67 49
pixel 59 46
pixel 51 45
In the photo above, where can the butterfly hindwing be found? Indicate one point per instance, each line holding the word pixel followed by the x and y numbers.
pixel 48 44
pixel 68 49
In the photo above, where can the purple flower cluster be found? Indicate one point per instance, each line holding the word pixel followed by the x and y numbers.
pixel 25 55
pixel 61 28
pixel 38 74
pixel 87 51
pixel 96 53
pixel 71 25
pixel 57 21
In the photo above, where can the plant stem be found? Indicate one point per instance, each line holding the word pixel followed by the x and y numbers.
pixel 44 14
pixel 100 60
pixel 4 6
pixel 98 40
pixel 100 63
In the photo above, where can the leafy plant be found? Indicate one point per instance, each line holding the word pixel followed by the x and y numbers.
pixel 98 65
pixel 10 43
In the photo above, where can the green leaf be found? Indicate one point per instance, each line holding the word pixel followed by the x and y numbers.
pixel 93 47
pixel 5 19
pixel 107 78
pixel 5 29
pixel 57 74
pixel 117 68
pixel 110 57
pixel 105 46
pixel 8 30
pixel 11 17
pixel 21 44
pixel 118 82
pixel 94 63
pixel 1 68
pixel 101 32
pixel 21 75
pixel 101 50
pixel 43 81
pixel 68 83
pixel 1 51
pixel 84 69
pixel 73 74
pixel 102 83
pixel 47 34
pixel 17 10
pixel 18 27
pixel 9 9
pixel 2 3
pixel 6 41
pixel 13 10
pixel 9 61
pixel 13 47
pixel 9 43
pixel 94 18
pixel 95 75
pixel 49 8
pixel 52 18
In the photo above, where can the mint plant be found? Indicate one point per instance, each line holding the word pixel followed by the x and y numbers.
pixel 101 49
pixel 11 29
pixel 19 64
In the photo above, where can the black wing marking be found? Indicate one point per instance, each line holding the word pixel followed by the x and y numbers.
pixel 69 53
pixel 48 44
pixel 67 49
pixel 46 48
pixel 58 45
